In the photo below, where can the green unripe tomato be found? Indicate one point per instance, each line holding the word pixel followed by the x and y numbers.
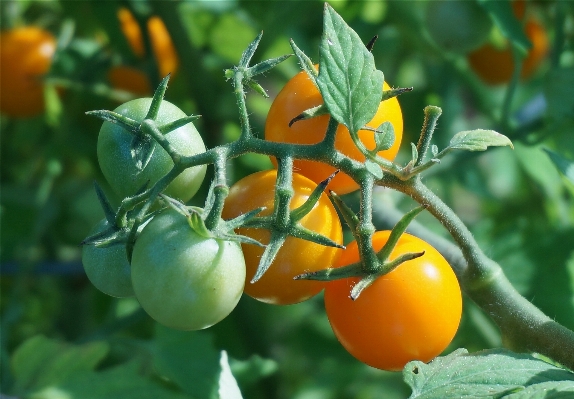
pixel 119 168
pixel 182 279
pixel 108 268
pixel 457 26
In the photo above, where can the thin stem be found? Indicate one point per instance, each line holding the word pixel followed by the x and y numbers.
pixel 329 140
pixel 432 113
pixel 283 192
pixel 220 191
pixel 241 105
pixel 366 228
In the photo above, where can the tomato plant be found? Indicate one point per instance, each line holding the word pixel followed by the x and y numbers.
pixel 107 267
pixel 295 256
pixel 411 313
pixel 25 56
pixel 298 95
pixel 495 65
pixel 119 166
pixel 183 279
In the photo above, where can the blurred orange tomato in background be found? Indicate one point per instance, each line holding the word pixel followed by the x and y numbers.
pixel 25 56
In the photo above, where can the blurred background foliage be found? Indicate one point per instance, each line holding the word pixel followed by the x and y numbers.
pixel 517 203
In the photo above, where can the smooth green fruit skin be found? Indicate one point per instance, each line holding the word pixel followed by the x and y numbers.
pixel 119 168
pixel 183 280
pixel 108 268
pixel 457 26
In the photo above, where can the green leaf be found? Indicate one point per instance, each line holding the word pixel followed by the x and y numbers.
pixel 488 374
pixel 40 362
pixel 228 388
pixel 118 382
pixel 189 359
pixel 384 137
pixel 478 140
pixel 565 166
pixel 350 84
pixel 503 16
pixel 545 390
pixel 374 169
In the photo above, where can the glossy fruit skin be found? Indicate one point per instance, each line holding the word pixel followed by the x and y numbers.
pixel 411 313
pixel 182 279
pixel 298 95
pixel 296 256
pixel 119 168
pixel 161 43
pixel 457 26
pixel 108 268
pixel 25 56
pixel 496 65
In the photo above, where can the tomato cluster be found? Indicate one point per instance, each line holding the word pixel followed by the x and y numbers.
pixel 189 276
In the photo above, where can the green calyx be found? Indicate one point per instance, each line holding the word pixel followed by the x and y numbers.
pixel 284 222
pixel 246 73
pixel 146 132
pixel 367 273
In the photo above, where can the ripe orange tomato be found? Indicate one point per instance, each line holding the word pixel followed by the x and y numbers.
pixel 162 46
pixel 298 95
pixel 296 256
pixel 129 79
pixel 411 313
pixel 135 80
pixel 25 55
pixel 496 65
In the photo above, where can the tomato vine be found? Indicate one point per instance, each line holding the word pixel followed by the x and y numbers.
pixel 352 89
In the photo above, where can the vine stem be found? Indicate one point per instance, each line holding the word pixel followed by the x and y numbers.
pixel 523 326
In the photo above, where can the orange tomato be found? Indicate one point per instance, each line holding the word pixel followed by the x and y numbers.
pixel 411 313
pixel 161 43
pixel 496 65
pixel 135 80
pixel 25 55
pixel 129 79
pixel 298 95
pixel 296 256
